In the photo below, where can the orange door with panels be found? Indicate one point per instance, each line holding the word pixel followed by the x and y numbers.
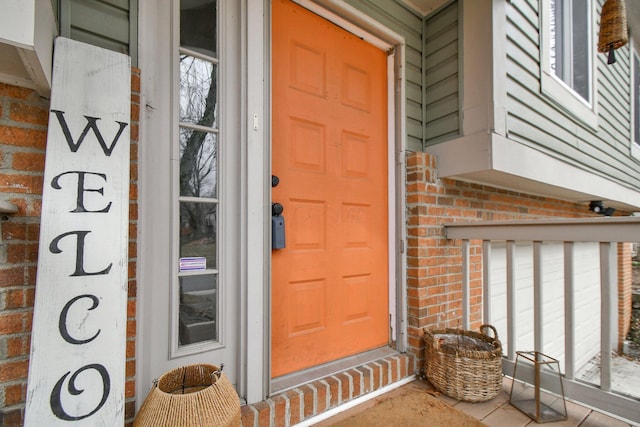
pixel 329 151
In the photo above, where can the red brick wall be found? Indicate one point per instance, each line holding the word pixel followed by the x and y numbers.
pixel 625 279
pixel 130 403
pixel 23 133
pixel 434 272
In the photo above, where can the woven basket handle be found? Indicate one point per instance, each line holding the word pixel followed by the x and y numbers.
pixel 495 332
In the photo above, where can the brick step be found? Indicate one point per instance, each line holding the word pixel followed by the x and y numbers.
pixel 308 400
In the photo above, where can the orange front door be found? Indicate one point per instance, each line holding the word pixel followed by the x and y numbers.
pixel 330 283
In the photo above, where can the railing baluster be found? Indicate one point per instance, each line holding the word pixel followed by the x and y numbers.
pixel 511 299
pixel 608 264
pixel 569 316
pixel 465 283
pixel 537 296
pixel 486 281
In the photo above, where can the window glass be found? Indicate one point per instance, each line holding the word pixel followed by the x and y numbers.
pixel 636 99
pixel 198 163
pixel 580 48
pixel 196 176
pixel 569 44
pixel 556 29
pixel 198 233
pixel 198 309
pixel 198 26
pixel 198 91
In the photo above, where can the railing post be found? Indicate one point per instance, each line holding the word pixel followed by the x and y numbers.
pixel 486 281
pixel 537 297
pixel 608 273
pixel 511 299
pixel 569 316
pixel 465 283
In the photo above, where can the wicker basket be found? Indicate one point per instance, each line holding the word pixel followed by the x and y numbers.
pixel 613 26
pixel 195 395
pixel 464 365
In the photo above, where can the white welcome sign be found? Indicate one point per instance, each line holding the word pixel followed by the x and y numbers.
pixel 77 366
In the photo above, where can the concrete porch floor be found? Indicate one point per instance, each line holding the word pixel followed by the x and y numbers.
pixel 494 413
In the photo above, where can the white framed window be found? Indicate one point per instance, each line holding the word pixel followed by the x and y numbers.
pixel 635 103
pixel 196 294
pixel 568 57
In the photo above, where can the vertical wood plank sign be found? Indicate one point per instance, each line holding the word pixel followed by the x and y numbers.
pixel 77 366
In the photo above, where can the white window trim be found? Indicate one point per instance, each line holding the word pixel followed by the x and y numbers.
pixel 554 88
pixel 635 145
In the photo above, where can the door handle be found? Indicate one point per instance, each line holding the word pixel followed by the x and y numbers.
pixel 277 226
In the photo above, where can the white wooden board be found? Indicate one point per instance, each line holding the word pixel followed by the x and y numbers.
pixel 78 344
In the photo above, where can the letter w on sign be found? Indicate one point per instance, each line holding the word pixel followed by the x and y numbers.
pixel 91 125
pixel 78 344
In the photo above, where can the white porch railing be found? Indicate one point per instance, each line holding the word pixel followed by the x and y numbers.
pixel 606 232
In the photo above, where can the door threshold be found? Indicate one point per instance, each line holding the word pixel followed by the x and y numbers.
pixel 292 380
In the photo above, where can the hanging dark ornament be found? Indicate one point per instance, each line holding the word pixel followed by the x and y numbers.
pixel 611 58
pixel 613 28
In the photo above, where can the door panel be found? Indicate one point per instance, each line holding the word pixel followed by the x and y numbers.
pixel 330 283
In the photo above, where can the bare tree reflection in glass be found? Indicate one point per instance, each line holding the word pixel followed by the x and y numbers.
pixel 198 148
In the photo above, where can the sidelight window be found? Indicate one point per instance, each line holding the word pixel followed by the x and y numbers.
pixel 196 292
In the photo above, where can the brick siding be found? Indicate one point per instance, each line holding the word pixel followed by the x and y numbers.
pixel 23 134
pixel 625 278
pixel 130 387
pixel 308 400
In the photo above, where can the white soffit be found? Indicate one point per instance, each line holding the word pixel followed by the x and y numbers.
pixel 490 159
pixel 27 31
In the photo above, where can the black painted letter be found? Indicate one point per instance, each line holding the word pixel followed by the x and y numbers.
pixel 91 125
pixel 53 248
pixel 62 322
pixel 81 190
pixel 56 402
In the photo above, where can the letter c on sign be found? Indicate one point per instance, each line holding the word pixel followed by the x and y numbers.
pixel 62 323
